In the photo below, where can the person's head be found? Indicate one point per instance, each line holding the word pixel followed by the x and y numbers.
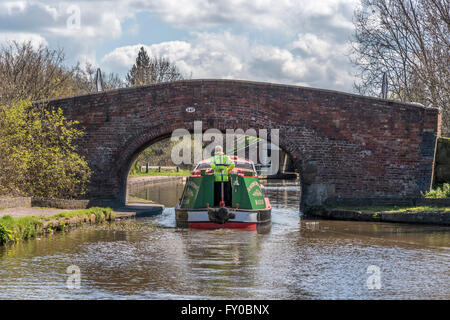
pixel 218 150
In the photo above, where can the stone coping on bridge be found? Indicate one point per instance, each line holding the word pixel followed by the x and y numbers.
pixel 241 83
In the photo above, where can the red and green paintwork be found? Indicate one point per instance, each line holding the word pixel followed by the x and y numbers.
pixel 199 192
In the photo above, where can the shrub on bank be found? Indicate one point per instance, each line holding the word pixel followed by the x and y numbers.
pixel 39 153
pixel 5 234
pixel 439 192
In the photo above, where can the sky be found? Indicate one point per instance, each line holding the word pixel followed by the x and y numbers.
pixel 299 42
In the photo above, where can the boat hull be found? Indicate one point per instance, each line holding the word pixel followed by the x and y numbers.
pixel 244 219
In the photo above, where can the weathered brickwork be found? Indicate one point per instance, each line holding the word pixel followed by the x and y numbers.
pixel 345 146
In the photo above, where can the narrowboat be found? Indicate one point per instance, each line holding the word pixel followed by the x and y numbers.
pixel 239 203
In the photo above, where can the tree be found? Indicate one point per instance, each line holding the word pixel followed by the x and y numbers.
pixel 410 41
pixel 148 70
pixel 40 73
pixel 32 73
pixel 84 80
pixel 38 153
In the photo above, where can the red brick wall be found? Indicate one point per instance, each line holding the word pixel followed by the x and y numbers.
pixel 346 146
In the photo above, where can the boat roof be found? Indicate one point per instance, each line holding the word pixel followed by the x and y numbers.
pixel 234 158
pixel 242 165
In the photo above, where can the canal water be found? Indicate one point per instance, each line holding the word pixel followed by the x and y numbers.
pixel 297 259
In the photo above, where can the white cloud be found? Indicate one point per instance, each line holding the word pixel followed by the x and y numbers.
pixel 224 55
pixel 260 14
pixel 209 55
pixel 34 38
pixel 50 18
pixel 290 41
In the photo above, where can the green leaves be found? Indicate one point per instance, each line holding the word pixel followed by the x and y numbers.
pixel 148 70
pixel 5 234
pixel 38 153
pixel 439 192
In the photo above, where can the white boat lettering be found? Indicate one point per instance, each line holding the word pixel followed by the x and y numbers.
pixel 257 193
pixel 252 185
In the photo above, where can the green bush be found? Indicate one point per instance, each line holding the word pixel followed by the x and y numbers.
pixel 38 153
pixel 439 192
pixel 5 234
pixel 23 227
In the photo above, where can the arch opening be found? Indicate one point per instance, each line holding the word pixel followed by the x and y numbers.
pixel 153 156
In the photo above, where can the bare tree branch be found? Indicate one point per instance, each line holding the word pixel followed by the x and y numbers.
pixel 410 40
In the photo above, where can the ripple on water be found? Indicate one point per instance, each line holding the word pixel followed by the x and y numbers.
pixel 297 259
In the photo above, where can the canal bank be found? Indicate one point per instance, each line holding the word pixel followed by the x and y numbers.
pixel 28 217
pixel 24 226
pixel 146 189
pixel 21 221
pixel 413 215
pixel 25 223
pixel 142 181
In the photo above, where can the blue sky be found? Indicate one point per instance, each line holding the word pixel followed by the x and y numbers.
pixel 299 42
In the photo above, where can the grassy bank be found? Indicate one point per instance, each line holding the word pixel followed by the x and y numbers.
pixel 164 173
pixel 21 228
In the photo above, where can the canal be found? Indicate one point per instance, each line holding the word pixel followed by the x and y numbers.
pixel 297 259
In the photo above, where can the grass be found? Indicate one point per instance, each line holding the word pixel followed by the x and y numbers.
pixel 166 173
pixel 101 214
pixel 394 208
pixel 21 228
pixel 423 209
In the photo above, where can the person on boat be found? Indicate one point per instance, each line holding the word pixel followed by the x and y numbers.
pixel 222 165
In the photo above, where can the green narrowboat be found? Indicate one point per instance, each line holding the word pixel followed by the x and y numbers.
pixel 243 206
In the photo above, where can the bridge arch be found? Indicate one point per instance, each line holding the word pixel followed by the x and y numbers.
pixel 347 147
pixel 150 135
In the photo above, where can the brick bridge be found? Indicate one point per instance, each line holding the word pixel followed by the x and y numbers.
pixel 346 147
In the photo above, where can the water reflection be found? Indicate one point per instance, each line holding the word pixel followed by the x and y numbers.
pixel 297 259
pixel 166 193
